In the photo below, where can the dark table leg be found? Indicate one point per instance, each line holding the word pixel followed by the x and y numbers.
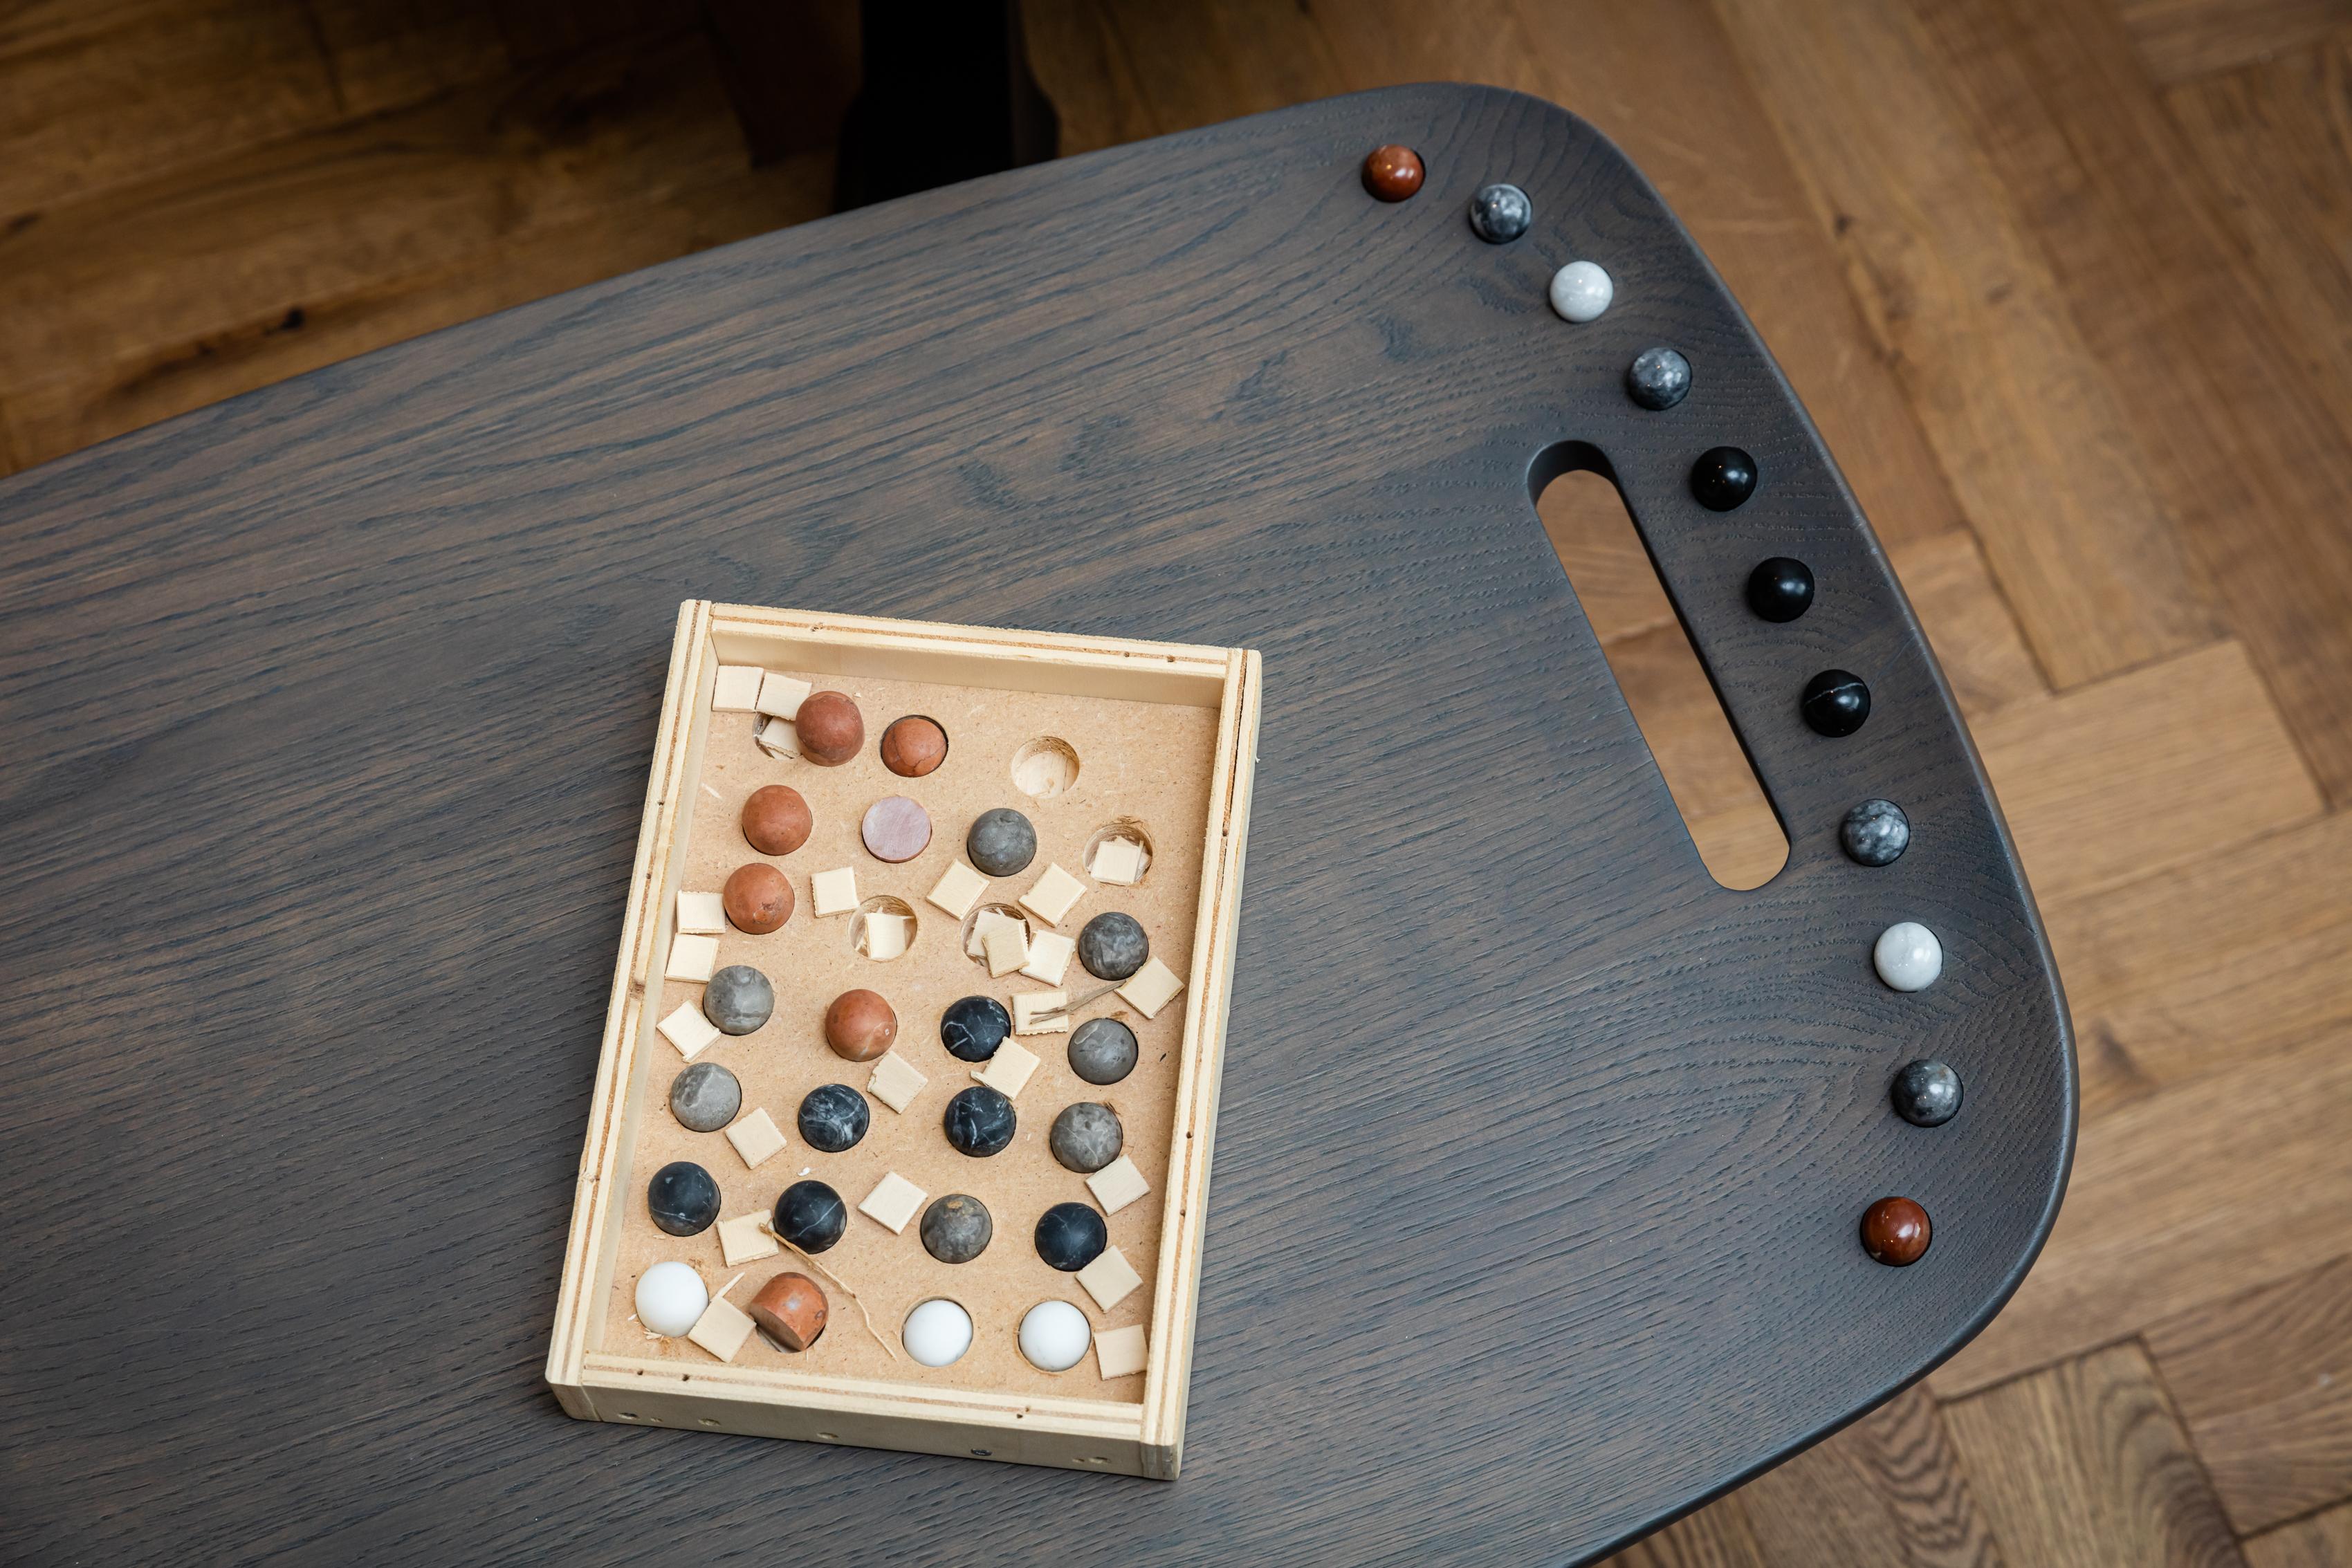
pixel 948 96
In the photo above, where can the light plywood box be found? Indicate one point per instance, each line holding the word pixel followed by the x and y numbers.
pixel 1171 732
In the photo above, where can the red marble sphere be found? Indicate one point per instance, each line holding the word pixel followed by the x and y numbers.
pixel 860 1025
pixel 790 1309
pixel 776 820
pixel 1393 173
pixel 830 729
pixel 1895 1231
pixel 913 745
pixel 758 898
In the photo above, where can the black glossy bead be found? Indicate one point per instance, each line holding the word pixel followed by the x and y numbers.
pixel 1658 379
pixel 1780 588
pixel 1112 945
pixel 683 1198
pixel 1102 1051
pixel 956 1228
pixel 1835 702
pixel 1875 832
pixel 1000 844
pixel 1723 478
pixel 1070 1235
pixel 980 1122
pixel 834 1117
pixel 811 1215
pixel 1926 1094
pixel 1085 1138
pixel 1500 213
pixel 972 1028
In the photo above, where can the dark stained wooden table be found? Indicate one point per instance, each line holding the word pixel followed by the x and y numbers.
pixel 325 716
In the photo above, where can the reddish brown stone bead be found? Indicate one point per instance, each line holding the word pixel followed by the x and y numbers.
pixel 913 746
pixel 860 1025
pixel 1895 1231
pixel 776 820
pixel 758 898
pixel 1393 173
pixel 830 729
pixel 791 1309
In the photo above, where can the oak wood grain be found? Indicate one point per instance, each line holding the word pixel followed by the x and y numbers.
pixel 1887 1490
pixel 2323 1540
pixel 2180 40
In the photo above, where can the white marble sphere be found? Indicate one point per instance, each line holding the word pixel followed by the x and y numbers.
pixel 1580 291
pixel 937 1333
pixel 1055 1336
pixel 1908 957
pixel 670 1298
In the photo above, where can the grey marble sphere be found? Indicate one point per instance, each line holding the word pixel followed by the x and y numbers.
pixel 704 1097
pixel 1875 832
pixel 1658 379
pixel 1103 1051
pixel 739 999
pixel 1500 213
pixel 956 1228
pixel 1086 1137
pixel 1112 945
pixel 1000 844
pixel 1926 1094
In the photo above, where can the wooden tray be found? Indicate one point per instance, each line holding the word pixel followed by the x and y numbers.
pixel 1164 737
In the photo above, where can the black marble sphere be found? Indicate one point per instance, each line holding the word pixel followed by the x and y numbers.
pixel 683 1198
pixel 957 1228
pixel 980 1122
pixel 704 1097
pixel 1103 1051
pixel 1085 1138
pixel 1658 379
pixel 973 1027
pixel 1835 702
pixel 1723 478
pixel 1000 844
pixel 1780 588
pixel 1875 832
pixel 811 1215
pixel 1500 213
pixel 1926 1094
pixel 739 999
pixel 1070 1235
pixel 1112 945
pixel 834 1117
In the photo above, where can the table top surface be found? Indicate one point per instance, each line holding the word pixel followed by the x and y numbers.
pixel 327 713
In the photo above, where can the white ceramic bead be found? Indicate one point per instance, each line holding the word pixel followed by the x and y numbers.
pixel 670 1298
pixel 937 1333
pixel 1055 1336
pixel 1580 291
pixel 1908 957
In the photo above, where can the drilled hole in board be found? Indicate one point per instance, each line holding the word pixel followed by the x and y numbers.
pixel 1731 821
pixel 883 928
pixel 1125 831
pixel 970 936
pixel 1046 767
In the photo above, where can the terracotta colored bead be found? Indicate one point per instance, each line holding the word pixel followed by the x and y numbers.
pixel 830 729
pixel 896 829
pixel 1895 1231
pixel 758 897
pixel 913 746
pixel 776 820
pixel 860 1025
pixel 1393 173
pixel 791 1309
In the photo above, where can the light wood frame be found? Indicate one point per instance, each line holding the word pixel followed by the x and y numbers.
pixel 1145 1439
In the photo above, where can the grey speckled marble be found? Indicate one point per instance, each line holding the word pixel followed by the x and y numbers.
pixel 1103 1051
pixel 1087 1136
pixel 1658 379
pixel 704 1097
pixel 1000 844
pixel 1112 945
pixel 1875 832
pixel 739 999
pixel 957 1228
pixel 1926 1094
pixel 1500 213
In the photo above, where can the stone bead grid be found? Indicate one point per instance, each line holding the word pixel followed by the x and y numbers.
pixel 812 1215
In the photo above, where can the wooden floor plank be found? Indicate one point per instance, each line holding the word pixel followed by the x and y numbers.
pixel 2161 997
pixel 1082 66
pixel 98 97
pixel 1714 1537
pixel 388 54
pixel 2155 768
pixel 2179 40
pixel 2324 1540
pixel 2084 1464
pixel 1196 62
pixel 1968 623
pixel 1887 1491
pixel 2188 1198
pixel 2241 450
pixel 2016 405
pixel 2263 1383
